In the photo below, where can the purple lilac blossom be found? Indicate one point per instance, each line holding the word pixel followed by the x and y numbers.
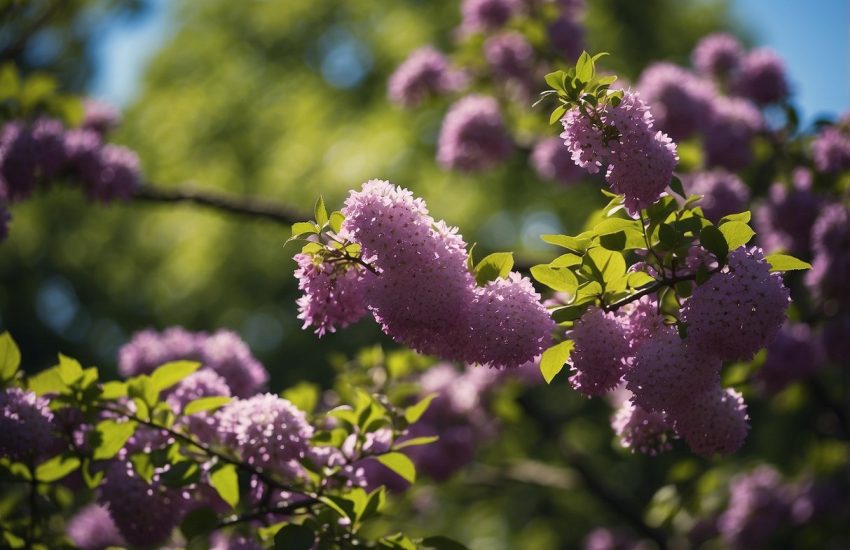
pixel 759 506
pixel 473 136
pixel 423 74
pixel 723 193
pixel 831 150
pixel 717 55
pixel 827 280
pixel 100 117
pixel 728 137
pixel 680 101
pixel 92 528
pixel 715 422
pixel 552 161
pixel 567 37
pixel 794 354
pixel 639 430
pixel 487 15
pixel 49 137
pixel 5 222
pixel 334 295
pixel 598 359
pixel 510 55
pixel 738 310
pixel 761 77
pixel 785 218
pixel 26 425
pixel 18 161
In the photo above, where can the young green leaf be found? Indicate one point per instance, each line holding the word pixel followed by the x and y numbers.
pixel 557 278
pixel 400 464
pixel 204 404
pixel 226 483
pixel 304 228
pixel 416 441
pixel 573 244
pixel 783 262
pixel 70 370
pixel 47 381
pixel 569 313
pixel 554 359
pixel 112 436
pixel 442 543
pixel 10 357
pixel 555 80
pixel 736 234
pixel 335 221
pixel 557 114
pixel 171 373
pixel 56 468
pixel 585 70
pixel 494 266
pixel 713 240
pixel 678 188
pixel 198 523
pixel 304 395
pixel 294 537
pixel 320 212
pixel 415 412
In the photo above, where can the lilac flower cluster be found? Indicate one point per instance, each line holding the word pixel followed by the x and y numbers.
pixel 222 352
pixel 201 383
pixel 785 218
pixel 333 294
pixel 425 73
pixel 487 15
pixel 552 161
pixel 425 296
pixel 831 149
pixel 794 354
pixel 730 131
pixel 473 136
pixel 647 432
pixel 723 193
pixel 830 271
pixel 640 160
pixel 92 528
pixel 45 150
pixel 717 55
pixel 759 505
pixel 26 425
pixel 679 99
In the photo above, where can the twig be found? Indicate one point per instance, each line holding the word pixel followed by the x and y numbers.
pixel 245 206
pixel 278 510
pixel 658 285
pixel 263 476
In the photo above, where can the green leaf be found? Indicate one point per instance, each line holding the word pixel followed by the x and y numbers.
pixel 374 503
pixel 226 483
pixel 637 279
pixel 784 262
pixel 320 212
pixel 400 464
pixel 585 71
pixel 142 389
pixel 113 435
pixel 10 357
pixel 416 441
pixel 557 114
pixel 614 241
pixel 611 265
pixel 203 404
pixel 442 543
pixel 304 395
pixel 713 240
pixel 181 474
pixel 70 370
pixel 415 412
pixel 304 228
pixel 56 468
pixel 294 537
pixel 736 234
pixel 113 390
pixel 574 244
pixel 494 266
pixel 678 188
pixel 47 381
pixel 143 466
pixel 555 80
pixel 566 260
pixel 173 372
pixel 743 217
pixel 198 522
pixel 569 313
pixel 335 221
pixel 343 507
pixel 554 359
pixel 557 278
pixel 614 225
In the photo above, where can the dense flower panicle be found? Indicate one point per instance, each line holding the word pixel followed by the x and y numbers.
pixel 82 151
pixel 333 295
pixel 730 131
pixel 566 35
pixel 647 432
pixel 100 116
pixel 223 352
pixel 229 356
pixel 118 175
pixel 510 325
pixel 267 431
pixel 26 425
pixel 509 55
pixel 738 310
pixel 831 150
pixel 599 356
pixel 830 271
pixel 202 383
pixel 641 160
pixel 641 321
pixel 92 528
pixel 18 161
pixel 785 218
pixel 723 193
pixel 714 422
pixel 668 374
pixel 835 341
pixel 794 354
pixel 553 161
pixel 149 349
pixel 483 15
pixel 761 77
pixel 717 55
pixel 473 136
pixel 145 513
pixel 424 73
pixel 680 100
pixel 49 137
pixel 759 506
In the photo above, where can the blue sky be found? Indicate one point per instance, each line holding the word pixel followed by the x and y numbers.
pixel 813 36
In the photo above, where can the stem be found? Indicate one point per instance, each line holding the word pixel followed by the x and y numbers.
pixel 646 240
pixel 649 290
pixel 245 206
pixel 263 476
pixel 278 510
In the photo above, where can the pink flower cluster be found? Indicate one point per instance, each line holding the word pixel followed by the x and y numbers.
pixel 333 294
pixel 723 193
pixel 473 136
pixel 425 296
pixel 26 425
pixel 487 15
pixel 679 99
pixel 425 73
pixel 640 160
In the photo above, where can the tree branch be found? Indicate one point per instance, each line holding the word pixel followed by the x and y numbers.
pixel 278 510
pixel 244 206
